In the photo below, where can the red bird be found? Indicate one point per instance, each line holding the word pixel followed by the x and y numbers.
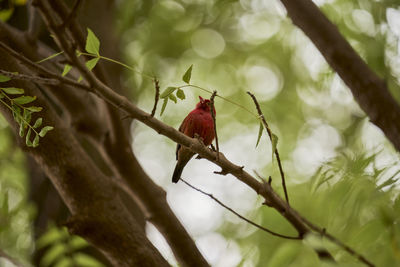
pixel 199 121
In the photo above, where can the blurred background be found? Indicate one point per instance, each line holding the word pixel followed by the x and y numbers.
pixel 341 170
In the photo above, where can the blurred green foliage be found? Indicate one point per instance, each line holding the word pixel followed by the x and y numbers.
pixel 16 213
pixel 342 173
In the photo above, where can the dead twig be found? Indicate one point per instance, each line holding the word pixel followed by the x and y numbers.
pixel 212 110
pixel 278 159
pixel 156 96
pixel 240 216
pixel 31 78
pixel 72 14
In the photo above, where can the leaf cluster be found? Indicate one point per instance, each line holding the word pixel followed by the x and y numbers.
pixel 14 99
pixel 64 250
pixel 168 94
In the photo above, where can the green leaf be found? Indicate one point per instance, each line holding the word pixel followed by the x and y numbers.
pixel 77 242
pixel 92 43
pixel 274 142
pixel 90 64
pixel 164 105
pixel 38 122
pixel 28 138
pixel 24 99
pixel 6 14
pixel 22 129
pixel 44 130
pixel 180 94
pixel 167 92
pixel 50 57
pixel 64 262
pixel 82 259
pixel 4 78
pixel 35 141
pixel 260 131
pixel 80 79
pixel 67 68
pixel 188 74
pixel 13 90
pixel 173 98
pixel 34 109
pixel 52 236
pixel 16 112
pixel 52 254
pixel 27 116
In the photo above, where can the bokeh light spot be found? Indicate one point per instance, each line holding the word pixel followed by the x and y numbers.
pixel 208 43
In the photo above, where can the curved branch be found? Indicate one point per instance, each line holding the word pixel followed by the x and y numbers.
pixel 238 215
pixel 368 89
pixel 276 152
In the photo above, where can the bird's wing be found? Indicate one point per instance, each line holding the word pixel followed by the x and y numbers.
pixel 184 128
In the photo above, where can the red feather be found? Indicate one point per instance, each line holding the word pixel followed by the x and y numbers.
pixel 199 121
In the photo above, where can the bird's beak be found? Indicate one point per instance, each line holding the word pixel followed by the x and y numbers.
pixel 201 99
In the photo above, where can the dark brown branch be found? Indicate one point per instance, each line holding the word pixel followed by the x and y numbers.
pixel 156 96
pixel 34 24
pixel 240 216
pixel 31 78
pixel 278 159
pixel 369 90
pixel 72 14
pixel 212 110
pixel 40 69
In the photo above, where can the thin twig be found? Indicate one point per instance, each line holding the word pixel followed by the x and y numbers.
pixel 156 96
pixel 35 24
pixel 212 110
pixel 24 77
pixel 278 158
pixel 38 68
pixel 240 216
pixel 10 259
pixel 333 239
pixel 72 14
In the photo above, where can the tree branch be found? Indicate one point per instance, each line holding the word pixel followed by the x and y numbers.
pixel 368 89
pixel 212 110
pixel 240 216
pixel 278 159
pixel 156 95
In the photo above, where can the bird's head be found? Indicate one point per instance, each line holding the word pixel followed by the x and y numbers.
pixel 204 104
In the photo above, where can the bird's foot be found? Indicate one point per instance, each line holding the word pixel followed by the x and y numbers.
pixel 198 137
pixel 213 148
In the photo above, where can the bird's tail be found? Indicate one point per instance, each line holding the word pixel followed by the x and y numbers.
pixel 177 172
pixel 185 154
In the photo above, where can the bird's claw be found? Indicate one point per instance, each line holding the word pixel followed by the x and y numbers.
pixel 213 148
pixel 198 137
